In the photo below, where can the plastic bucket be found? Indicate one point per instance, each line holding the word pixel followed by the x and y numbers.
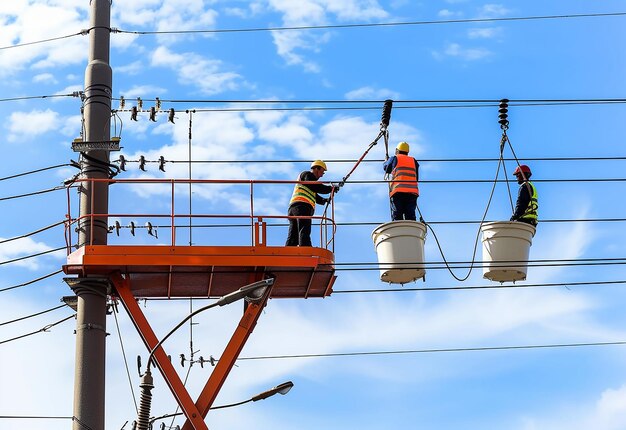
pixel 506 246
pixel 400 249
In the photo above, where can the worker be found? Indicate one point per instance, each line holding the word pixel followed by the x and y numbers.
pixel 403 190
pixel 302 204
pixel 527 204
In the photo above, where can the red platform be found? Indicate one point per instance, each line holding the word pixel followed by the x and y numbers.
pixel 209 271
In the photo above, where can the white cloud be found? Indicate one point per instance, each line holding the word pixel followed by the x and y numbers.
pixel 316 12
pixel 143 91
pixel 608 412
pixel 25 22
pixel 370 93
pixel 492 10
pixel 27 125
pixel 193 69
pixel 44 78
pixel 21 248
pixel 455 50
pixel 483 33
pixel 447 13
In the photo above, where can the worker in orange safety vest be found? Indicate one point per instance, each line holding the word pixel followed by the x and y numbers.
pixel 403 188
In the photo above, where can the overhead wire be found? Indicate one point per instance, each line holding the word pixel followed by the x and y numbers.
pixel 41 278
pixel 433 350
pixel 119 335
pixel 43 329
pixel 383 24
pixel 32 233
pixel 325 27
pixel 32 255
pixel 34 193
pixel 33 315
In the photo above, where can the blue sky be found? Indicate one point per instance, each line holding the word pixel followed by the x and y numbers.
pixel 549 59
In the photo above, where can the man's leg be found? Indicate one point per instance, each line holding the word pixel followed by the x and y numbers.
pixel 396 213
pixel 292 234
pixel 304 226
pixel 410 206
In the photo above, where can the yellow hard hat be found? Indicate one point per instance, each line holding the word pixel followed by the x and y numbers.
pixel 319 163
pixel 403 146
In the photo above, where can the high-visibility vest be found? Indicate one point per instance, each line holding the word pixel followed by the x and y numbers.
pixel 302 193
pixel 404 176
pixel 533 205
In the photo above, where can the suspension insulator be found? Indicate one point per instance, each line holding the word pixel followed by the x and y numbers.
pixel 386 117
pixel 503 114
pixel 143 416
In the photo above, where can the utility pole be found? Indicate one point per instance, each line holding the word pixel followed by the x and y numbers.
pixel 89 374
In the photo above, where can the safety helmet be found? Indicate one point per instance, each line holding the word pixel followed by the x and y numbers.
pixel 319 163
pixel 522 168
pixel 403 146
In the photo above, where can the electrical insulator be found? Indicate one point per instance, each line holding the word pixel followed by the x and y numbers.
pixel 139 102
pixel 133 113
pixel 132 227
pixel 152 114
pixel 122 102
pixel 170 117
pixel 142 163
pixel 386 117
pixel 143 416
pixel 503 114
pixel 122 163
pixel 162 163
pixel 158 103
pixel 117 227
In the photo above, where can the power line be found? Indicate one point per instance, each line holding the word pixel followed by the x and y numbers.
pixel 383 24
pixel 19 45
pixel 481 287
pixel 32 233
pixel 33 315
pixel 436 350
pixel 37 170
pixel 32 255
pixel 13 99
pixel 34 193
pixel 31 282
pixel 43 329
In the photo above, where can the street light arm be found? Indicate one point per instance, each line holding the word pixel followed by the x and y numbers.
pixel 279 389
pixel 252 292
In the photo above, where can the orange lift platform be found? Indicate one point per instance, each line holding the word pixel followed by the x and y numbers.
pixel 169 270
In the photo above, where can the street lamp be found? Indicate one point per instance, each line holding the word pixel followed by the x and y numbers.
pixel 279 389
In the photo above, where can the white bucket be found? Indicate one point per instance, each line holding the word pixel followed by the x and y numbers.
pixel 400 249
pixel 506 246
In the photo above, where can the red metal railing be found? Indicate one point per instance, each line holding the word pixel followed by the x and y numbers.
pixel 257 221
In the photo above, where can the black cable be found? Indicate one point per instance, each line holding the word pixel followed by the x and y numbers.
pixel 43 329
pixel 35 171
pixel 482 287
pixel 31 282
pixel 19 45
pixel 437 350
pixel 383 24
pixel 130 382
pixel 361 108
pixel 33 315
pixel 32 233
pixel 60 187
pixel 32 255
pixel 13 99
pixel 424 160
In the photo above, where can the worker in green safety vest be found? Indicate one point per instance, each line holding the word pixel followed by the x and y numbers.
pixel 527 205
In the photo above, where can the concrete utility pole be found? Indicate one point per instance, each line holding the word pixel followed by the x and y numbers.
pixel 92 293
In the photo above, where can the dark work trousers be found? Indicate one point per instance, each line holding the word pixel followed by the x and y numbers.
pixel 403 206
pixel 299 228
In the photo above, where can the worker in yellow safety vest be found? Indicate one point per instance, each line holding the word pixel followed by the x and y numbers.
pixel 403 188
pixel 527 205
pixel 302 204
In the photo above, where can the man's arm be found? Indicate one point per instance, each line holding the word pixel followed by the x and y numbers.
pixel 390 164
pixel 523 199
pixel 317 188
